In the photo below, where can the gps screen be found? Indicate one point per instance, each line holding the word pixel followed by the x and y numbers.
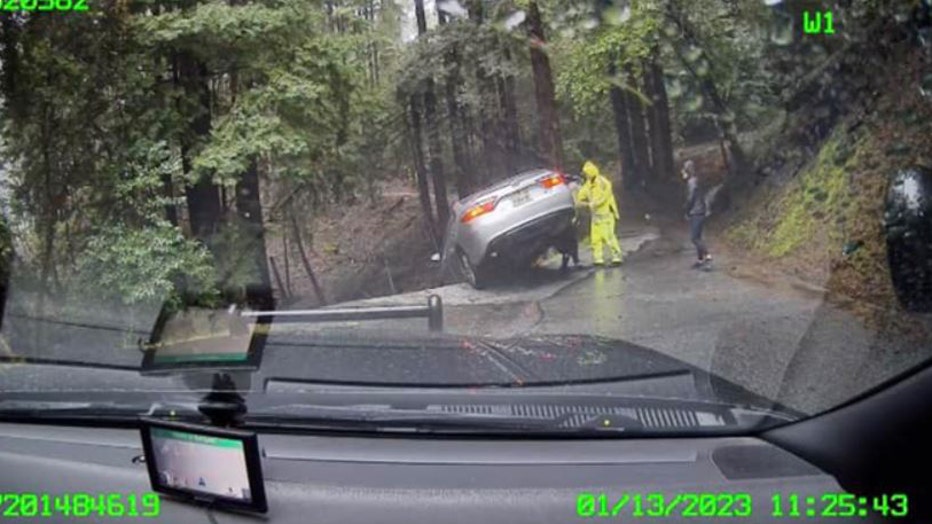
pixel 201 463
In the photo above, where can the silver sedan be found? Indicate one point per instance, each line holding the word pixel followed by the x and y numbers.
pixel 510 224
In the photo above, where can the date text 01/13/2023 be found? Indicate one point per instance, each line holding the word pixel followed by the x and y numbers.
pixel 107 505
pixel 43 5
pixel 739 505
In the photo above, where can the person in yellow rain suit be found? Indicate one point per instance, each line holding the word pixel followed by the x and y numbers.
pixel 596 194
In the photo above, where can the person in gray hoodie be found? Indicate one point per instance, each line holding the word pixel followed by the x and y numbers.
pixel 696 213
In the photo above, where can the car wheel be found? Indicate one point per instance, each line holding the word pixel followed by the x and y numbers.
pixel 477 276
pixel 912 278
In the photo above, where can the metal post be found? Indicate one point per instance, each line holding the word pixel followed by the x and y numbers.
pixel 434 313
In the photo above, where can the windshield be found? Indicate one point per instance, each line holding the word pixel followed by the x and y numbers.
pixel 661 211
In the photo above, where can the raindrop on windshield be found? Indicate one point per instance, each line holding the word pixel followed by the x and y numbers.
pixel 617 15
pixel 902 14
pixel 671 30
pixel 781 29
pixel 568 32
pixel 925 36
pixel 926 86
pixel 694 102
pixel 702 69
pixel 674 87
pixel 773 2
pixel 590 23
pixel 452 7
pixel 515 19
pixel 692 53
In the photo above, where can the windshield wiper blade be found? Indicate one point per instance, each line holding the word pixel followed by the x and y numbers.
pixel 104 411
pixel 24 359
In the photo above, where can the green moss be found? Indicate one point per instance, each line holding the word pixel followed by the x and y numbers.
pixel 813 208
pixel 794 227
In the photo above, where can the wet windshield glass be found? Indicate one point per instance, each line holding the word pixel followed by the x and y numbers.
pixel 724 202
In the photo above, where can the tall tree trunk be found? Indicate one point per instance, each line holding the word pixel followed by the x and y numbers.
pixel 510 131
pixel 462 162
pixel 622 131
pixel 638 133
pixel 10 59
pixel 203 196
pixel 420 16
pixel 660 128
pixel 709 89
pixel 299 243
pixel 373 46
pixel 492 152
pixel 502 131
pixel 551 142
pixel 435 149
pixel 420 170
pixel 249 209
pixel 436 155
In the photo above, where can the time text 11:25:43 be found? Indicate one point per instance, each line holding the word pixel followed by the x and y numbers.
pixel 740 505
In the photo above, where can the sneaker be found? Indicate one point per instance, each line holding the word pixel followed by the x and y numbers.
pixel 616 262
pixel 698 264
pixel 598 264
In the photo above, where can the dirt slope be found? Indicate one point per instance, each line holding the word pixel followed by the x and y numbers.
pixel 372 248
pixel 823 222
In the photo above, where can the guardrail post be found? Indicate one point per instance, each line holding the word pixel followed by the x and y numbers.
pixel 434 313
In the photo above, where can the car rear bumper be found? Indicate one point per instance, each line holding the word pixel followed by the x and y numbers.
pixel 531 236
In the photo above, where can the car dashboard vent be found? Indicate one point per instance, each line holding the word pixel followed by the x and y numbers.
pixel 579 416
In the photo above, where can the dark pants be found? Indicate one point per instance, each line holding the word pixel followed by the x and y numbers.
pixel 695 234
pixel 568 246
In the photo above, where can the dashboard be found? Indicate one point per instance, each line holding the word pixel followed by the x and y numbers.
pixel 361 479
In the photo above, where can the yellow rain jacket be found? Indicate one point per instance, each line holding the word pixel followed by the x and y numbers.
pixel 596 193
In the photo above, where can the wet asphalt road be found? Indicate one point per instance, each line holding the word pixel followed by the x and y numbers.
pixel 785 343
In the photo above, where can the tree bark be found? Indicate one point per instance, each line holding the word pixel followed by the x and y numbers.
pixel 622 131
pixel 661 129
pixel 10 70
pixel 492 152
pixel 420 170
pixel 551 142
pixel 249 209
pixel 638 133
pixel 203 196
pixel 436 153
pixel 420 17
pixel 510 131
pixel 307 263
pixel 461 158
pixel 435 148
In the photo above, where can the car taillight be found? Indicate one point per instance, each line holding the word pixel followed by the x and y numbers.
pixel 552 181
pixel 478 210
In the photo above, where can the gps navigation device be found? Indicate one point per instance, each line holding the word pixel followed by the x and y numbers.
pixel 204 464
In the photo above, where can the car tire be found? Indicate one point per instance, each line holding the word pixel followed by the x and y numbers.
pixel 912 278
pixel 909 237
pixel 477 276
